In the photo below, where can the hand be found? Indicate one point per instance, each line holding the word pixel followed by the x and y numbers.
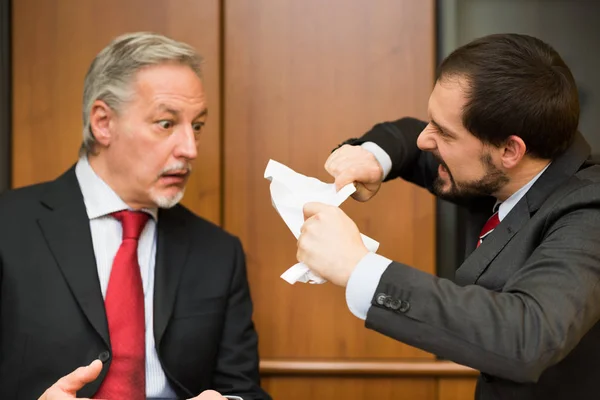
pixel 350 164
pixel 209 395
pixel 67 386
pixel 329 243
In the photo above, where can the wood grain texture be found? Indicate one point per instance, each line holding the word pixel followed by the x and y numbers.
pixel 54 42
pixel 456 389
pixel 317 388
pixel 300 77
pixel 341 367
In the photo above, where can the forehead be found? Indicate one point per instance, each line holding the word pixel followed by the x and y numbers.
pixel 169 83
pixel 447 101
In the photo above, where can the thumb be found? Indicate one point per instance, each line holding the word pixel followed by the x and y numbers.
pixel 313 208
pixel 208 395
pixel 80 377
pixel 342 180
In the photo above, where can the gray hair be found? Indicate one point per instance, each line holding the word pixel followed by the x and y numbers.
pixel 111 73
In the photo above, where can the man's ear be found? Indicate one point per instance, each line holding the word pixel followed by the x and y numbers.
pixel 513 151
pixel 101 116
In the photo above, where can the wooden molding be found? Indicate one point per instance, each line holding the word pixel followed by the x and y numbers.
pixel 270 367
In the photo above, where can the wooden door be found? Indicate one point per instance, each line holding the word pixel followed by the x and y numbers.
pixel 54 42
pixel 300 77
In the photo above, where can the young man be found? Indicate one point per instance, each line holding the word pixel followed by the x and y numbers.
pixel 502 141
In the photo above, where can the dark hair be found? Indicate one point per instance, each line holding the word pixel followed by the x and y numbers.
pixel 516 85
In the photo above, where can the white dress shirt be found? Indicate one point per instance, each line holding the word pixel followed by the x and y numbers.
pixel 367 274
pixel 100 201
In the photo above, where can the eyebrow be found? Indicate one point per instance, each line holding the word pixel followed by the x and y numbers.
pixel 175 112
pixel 442 129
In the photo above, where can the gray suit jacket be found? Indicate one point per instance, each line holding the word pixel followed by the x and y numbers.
pixel 524 306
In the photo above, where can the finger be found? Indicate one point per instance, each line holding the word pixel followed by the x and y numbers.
pixel 332 160
pixel 362 193
pixel 312 208
pixel 208 395
pixel 346 153
pixel 300 254
pixel 329 160
pixel 81 376
pixel 346 177
pixel 301 251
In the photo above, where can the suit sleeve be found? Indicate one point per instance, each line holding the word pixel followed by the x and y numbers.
pixel 538 317
pixel 237 369
pixel 399 140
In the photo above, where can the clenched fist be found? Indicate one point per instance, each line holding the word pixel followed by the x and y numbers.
pixel 354 164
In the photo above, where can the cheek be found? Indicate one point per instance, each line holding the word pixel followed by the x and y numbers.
pixel 144 162
pixel 457 162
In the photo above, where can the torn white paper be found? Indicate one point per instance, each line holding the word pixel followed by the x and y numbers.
pixel 289 192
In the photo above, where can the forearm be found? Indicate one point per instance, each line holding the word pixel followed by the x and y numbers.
pixel 514 335
pixel 398 139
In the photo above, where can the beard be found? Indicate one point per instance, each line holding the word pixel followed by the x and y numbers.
pixel 490 183
pixel 168 201
pixel 164 201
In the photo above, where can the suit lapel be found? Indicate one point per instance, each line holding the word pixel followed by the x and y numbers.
pixel 561 169
pixel 480 259
pixel 171 255
pixel 67 231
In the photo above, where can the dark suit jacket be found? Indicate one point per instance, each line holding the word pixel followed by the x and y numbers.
pixel 52 317
pixel 525 305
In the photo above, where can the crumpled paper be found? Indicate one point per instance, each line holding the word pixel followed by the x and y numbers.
pixel 289 192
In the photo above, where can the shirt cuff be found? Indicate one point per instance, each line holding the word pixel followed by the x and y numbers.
pixel 233 397
pixel 363 283
pixel 382 157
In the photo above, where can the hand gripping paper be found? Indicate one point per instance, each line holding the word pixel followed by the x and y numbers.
pixel 289 192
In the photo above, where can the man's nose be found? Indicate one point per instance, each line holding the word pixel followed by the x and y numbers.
pixel 426 141
pixel 187 146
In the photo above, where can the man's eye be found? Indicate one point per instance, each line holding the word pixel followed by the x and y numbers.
pixel 165 124
pixel 197 127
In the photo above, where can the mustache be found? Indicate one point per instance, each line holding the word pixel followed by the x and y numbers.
pixel 182 167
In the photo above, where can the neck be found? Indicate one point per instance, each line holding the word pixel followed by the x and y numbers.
pixel 100 167
pixel 521 176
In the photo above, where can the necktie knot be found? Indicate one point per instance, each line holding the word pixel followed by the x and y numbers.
pixel 133 223
pixel 489 226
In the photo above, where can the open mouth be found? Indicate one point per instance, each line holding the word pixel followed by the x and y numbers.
pixel 442 170
pixel 174 177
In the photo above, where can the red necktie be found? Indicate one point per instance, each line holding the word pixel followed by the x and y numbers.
pixel 124 303
pixel 489 226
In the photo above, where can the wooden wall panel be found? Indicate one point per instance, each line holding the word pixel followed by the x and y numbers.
pixel 301 76
pixel 317 388
pixel 54 42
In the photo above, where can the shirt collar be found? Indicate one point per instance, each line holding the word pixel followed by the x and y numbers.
pixel 507 205
pixel 99 198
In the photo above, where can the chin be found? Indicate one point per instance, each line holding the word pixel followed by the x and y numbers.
pixel 167 201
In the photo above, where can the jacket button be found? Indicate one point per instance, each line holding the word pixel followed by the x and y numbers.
pixel 388 302
pixel 404 306
pixel 395 304
pixel 104 356
pixel 380 299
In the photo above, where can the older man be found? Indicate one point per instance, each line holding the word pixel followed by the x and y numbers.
pixel 104 264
